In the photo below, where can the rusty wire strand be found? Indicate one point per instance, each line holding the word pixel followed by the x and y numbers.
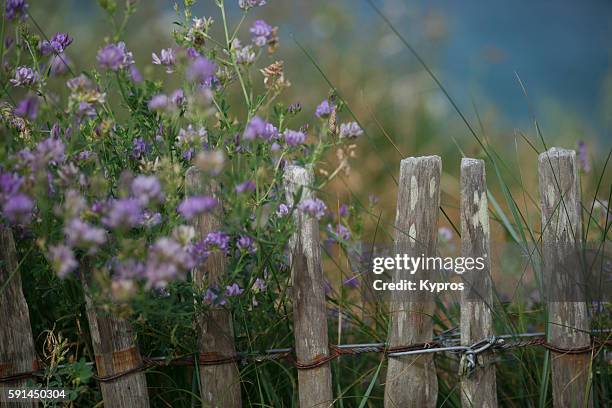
pixel 446 342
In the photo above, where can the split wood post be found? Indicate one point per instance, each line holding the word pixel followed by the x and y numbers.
pixel 411 380
pixel 568 323
pixel 309 317
pixel 116 352
pixel 17 352
pixel 478 389
pixel 219 384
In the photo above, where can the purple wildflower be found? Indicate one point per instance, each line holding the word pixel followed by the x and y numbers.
pixel 343 211
pixel 151 219
pixel 244 55
pixel 198 251
pixel 583 157
pixel 194 206
pixel 83 235
pixel 83 155
pixel 283 210
pixel 58 65
pixel 123 213
pixel 147 189
pixel 167 260
pixel 192 53
pixel 28 107
pixel 50 150
pixel 257 127
pixel 167 58
pixel 9 184
pixel 159 103
pixel 340 232
pixel 63 260
pixel 270 132
pixel 233 290
pixel 85 110
pixel 350 130
pixel 313 207
pixel 247 4
pixel 16 9
pixel 201 70
pixel 247 244
pixel 58 44
pixel 217 240
pixel 135 74
pixel 99 207
pixel 128 269
pixel 114 57
pixel 262 33
pixel 178 98
pixel 246 187
pixel 324 109
pixel 79 84
pixel 209 297
pixel 293 137
pixel 191 140
pixel 141 148
pixel 259 285
pixel 18 209
pixel 110 57
pixel 24 76
pixel 254 128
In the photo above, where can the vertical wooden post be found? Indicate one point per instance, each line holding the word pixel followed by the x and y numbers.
pixel 116 352
pixel 17 352
pixel 219 384
pixel 568 323
pixel 310 323
pixel 478 389
pixel 411 380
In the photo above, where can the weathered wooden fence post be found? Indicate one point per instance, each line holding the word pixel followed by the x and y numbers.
pixel 309 317
pixel 116 353
pixel 411 380
pixel 17 352
pixel 568 323
pixel 477 389
pixel 220 383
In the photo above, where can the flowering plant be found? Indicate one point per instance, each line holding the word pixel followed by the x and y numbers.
pixel 96 178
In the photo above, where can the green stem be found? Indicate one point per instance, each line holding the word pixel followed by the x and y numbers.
pixel 233 58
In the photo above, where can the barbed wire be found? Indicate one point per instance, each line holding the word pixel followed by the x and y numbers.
pixel 445 342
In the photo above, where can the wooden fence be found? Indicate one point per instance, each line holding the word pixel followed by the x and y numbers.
pixel 411 380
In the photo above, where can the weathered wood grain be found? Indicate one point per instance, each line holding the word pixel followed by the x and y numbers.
pixel 17 352
pixel 479 388
pixel 568 322
pixel 310 323
pixel 116 351
pixel 219 384
pixel 411 380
